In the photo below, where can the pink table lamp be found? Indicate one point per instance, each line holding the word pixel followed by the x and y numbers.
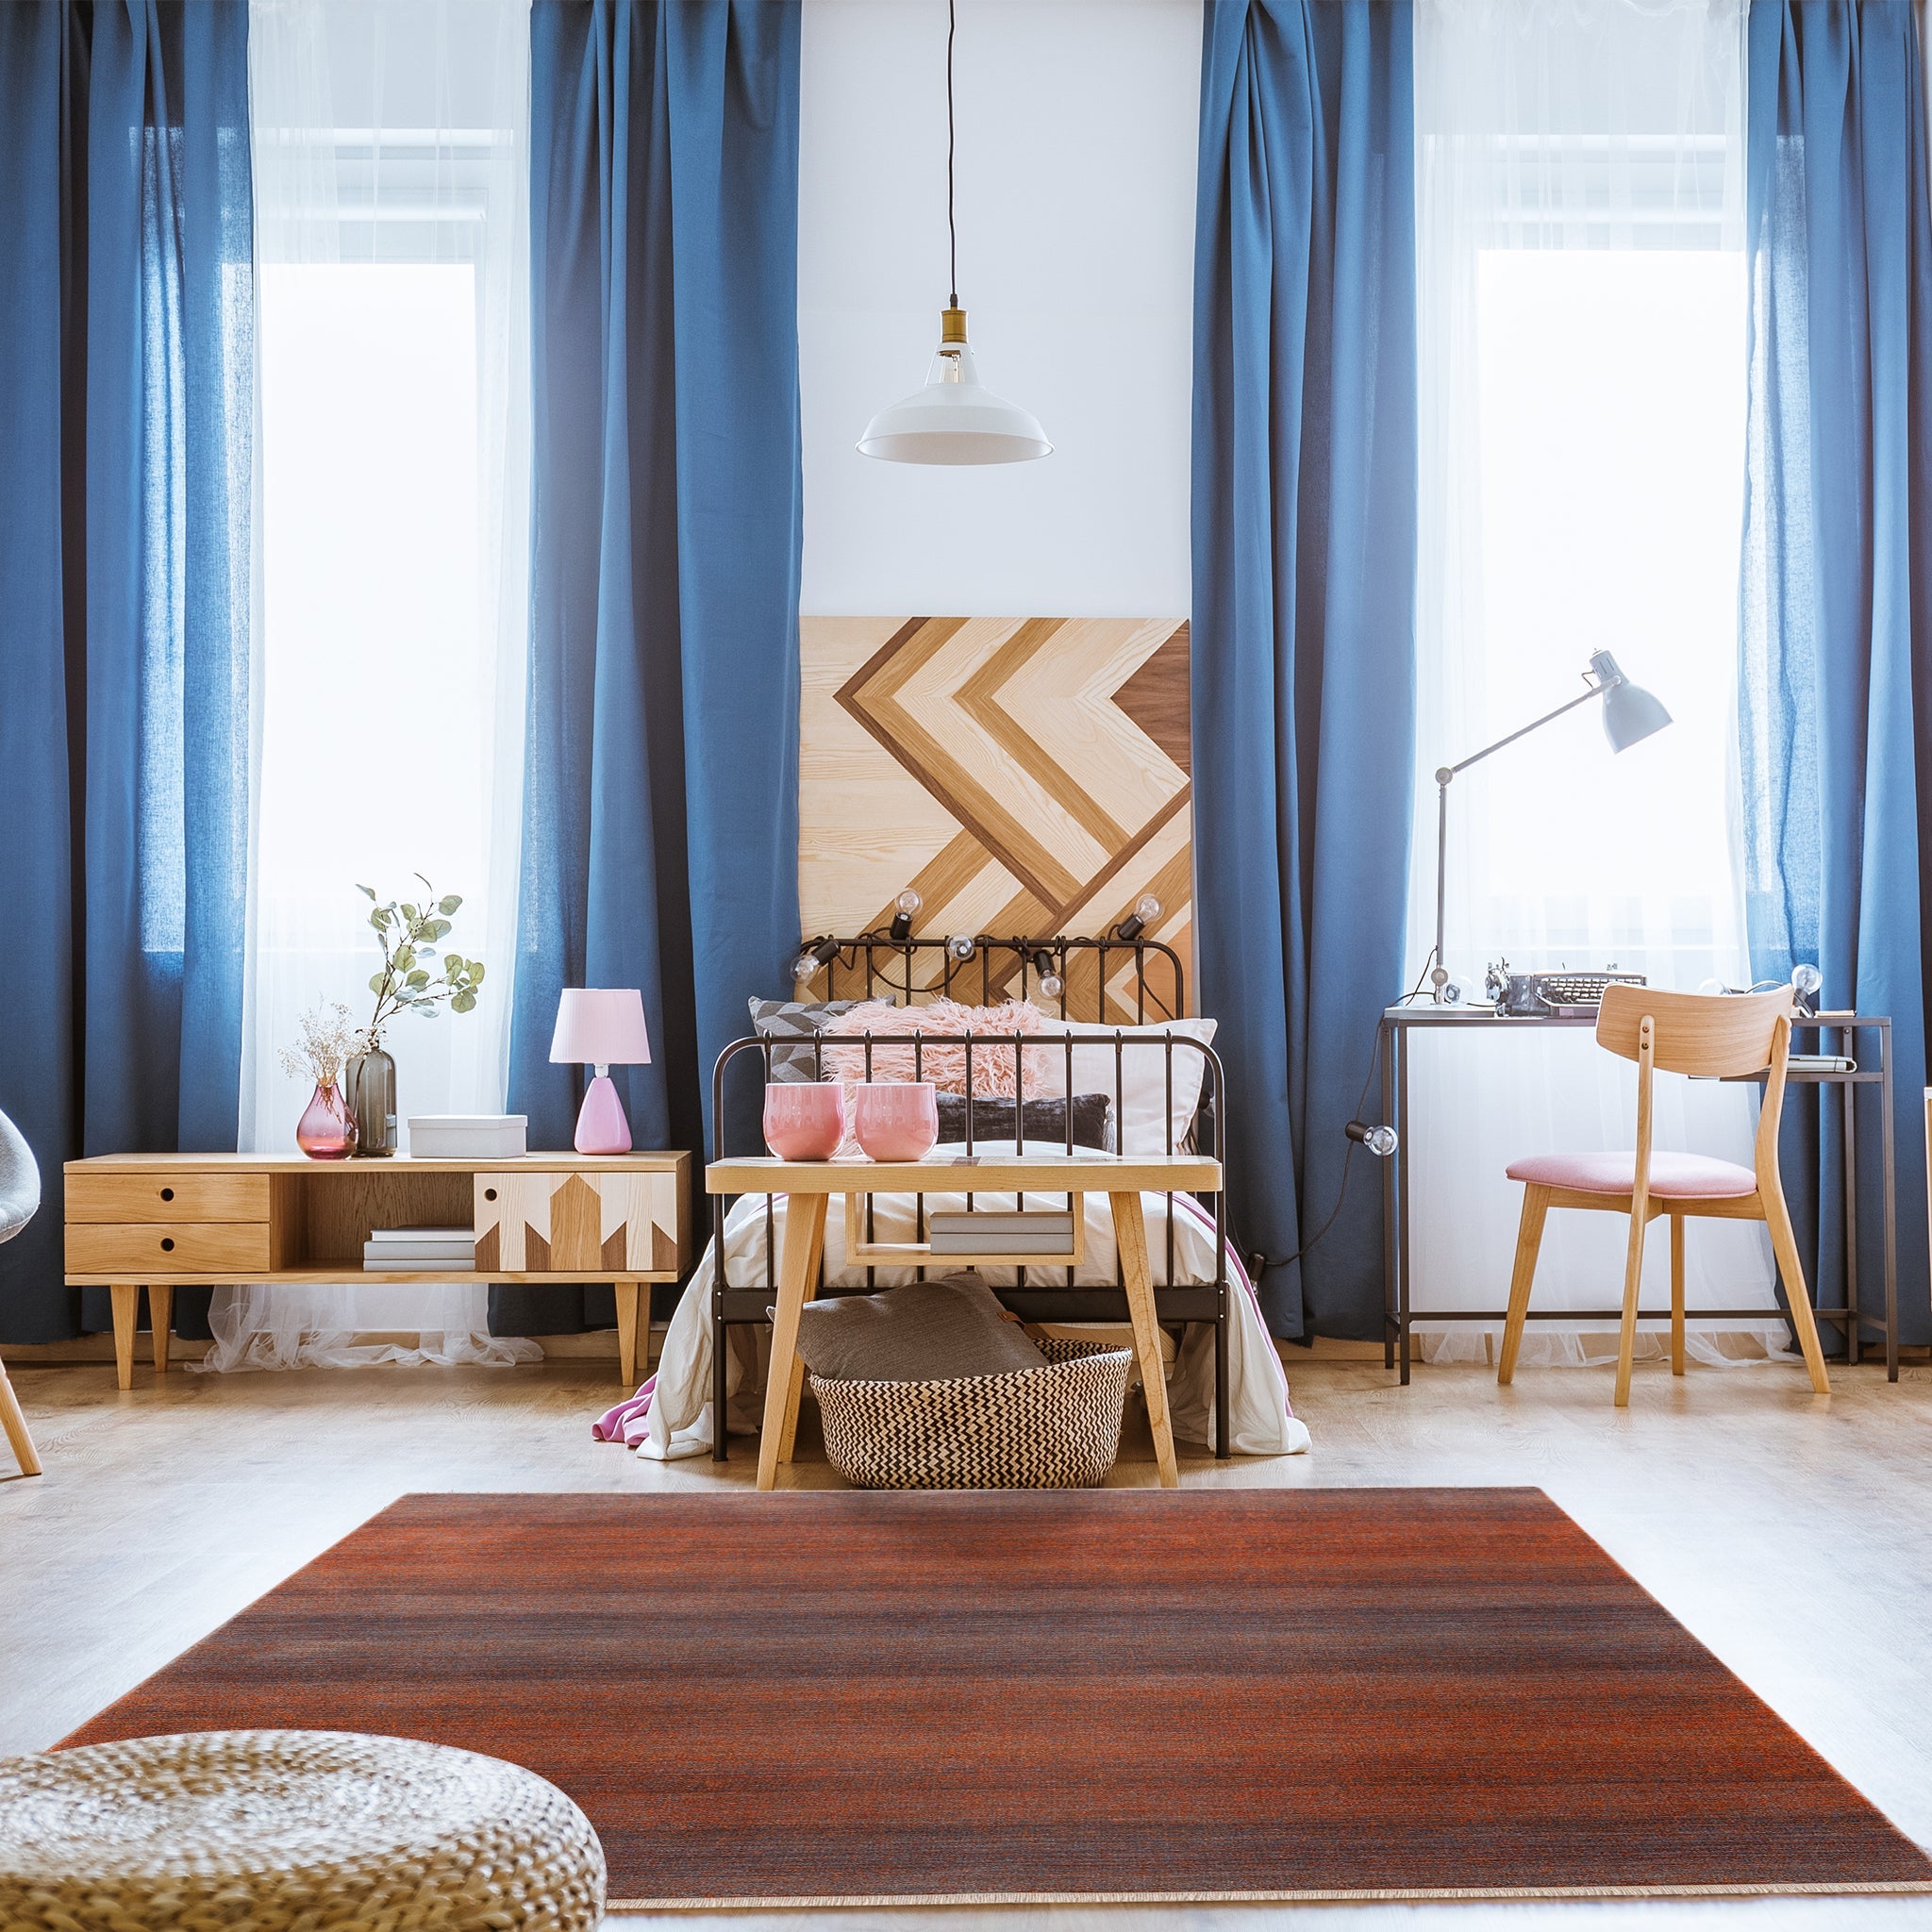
pixel 602 1027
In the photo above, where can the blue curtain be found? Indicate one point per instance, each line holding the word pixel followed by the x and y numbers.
pixel 1304 618
pixel 1835 610
pixel 125 457
pixel 660 834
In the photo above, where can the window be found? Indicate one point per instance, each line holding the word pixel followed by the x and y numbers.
pixel 390 159
pixel 1582 331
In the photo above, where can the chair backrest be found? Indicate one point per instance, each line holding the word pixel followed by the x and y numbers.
pixel 20 1180
pixel 1710 1035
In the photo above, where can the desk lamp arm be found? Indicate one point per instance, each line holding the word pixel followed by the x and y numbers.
pixel 1439 972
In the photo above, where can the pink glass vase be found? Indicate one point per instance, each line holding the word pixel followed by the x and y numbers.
pixel 326 1130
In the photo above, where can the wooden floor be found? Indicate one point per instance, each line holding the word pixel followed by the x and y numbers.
pixel 1792 1535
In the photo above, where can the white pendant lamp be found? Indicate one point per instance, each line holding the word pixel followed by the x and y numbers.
pixel 953 420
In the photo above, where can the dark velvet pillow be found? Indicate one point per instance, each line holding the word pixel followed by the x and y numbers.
pixel 1047 1120
pixel 923 1331
pixel 795 1019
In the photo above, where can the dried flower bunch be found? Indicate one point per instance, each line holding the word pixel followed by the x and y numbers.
pixel 330 1036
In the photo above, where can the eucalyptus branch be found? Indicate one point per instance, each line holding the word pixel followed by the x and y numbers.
pixel 411 979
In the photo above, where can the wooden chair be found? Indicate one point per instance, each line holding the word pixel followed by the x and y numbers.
pixel 1713 1036
pixel 20 1197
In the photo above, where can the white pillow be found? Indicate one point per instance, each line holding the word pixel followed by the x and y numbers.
pixel 1146 1124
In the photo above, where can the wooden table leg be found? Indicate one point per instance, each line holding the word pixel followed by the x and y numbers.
pixel 805 1228
pixel 126 1296
pixel 627 1331
pixel 794 1395
pixel 1130 1240
pixel 160 1315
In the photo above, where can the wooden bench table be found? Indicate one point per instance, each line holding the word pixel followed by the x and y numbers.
pixel 810 1184
pixel 169 1221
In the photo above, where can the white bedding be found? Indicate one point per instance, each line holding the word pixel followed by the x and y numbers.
pixel 671 1415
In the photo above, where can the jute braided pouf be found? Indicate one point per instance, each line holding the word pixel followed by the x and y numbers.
pixel 288 1831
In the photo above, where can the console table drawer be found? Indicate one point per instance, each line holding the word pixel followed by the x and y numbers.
pixel 141 1251
pixel 100 1195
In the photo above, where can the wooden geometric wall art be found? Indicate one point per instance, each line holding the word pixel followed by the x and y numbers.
pixel 1029 775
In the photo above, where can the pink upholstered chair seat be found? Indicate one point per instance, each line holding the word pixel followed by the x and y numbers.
pixel 1673 1176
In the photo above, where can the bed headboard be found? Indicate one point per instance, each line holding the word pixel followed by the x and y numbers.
pixel 1116 980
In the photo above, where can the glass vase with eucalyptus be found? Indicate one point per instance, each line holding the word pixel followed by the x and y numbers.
pixel 413 979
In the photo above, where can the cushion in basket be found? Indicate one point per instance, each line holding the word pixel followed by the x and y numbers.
pixel 1047 1120
pixel 923 1331
pixel 795 1019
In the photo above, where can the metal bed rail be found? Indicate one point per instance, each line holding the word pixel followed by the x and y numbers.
pixel 862 968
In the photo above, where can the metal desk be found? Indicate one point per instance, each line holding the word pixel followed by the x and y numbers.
pixel 1398 1317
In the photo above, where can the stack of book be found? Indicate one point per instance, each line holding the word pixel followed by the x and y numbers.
pixel 431 1250
pixel 993 1231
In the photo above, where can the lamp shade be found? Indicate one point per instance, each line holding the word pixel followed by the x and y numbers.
pixel 601 1027
pixel 953 420
pixel 1632 714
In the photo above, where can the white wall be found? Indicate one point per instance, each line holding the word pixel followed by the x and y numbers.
pixel 1074 197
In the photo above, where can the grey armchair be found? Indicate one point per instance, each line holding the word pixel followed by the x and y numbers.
pixel 20 1199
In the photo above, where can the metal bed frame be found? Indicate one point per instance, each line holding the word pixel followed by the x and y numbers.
pixel 737 1305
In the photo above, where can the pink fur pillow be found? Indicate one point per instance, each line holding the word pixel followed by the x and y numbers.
pixel 945 1066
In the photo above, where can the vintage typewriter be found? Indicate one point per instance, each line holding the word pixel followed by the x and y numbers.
pixel 1560 995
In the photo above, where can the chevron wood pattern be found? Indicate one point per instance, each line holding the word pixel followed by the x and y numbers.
pixel 1027 774
pixel 575 1223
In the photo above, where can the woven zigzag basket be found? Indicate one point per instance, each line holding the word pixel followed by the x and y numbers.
pixel 1052 1429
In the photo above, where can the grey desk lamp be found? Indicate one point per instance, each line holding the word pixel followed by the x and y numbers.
pixel 1630 715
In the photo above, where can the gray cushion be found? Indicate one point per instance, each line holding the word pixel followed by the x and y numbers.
pixel 924 1331
pixel 1047 1120
pixel 795 1019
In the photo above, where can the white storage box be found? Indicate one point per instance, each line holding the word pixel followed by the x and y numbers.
pixel 468 1135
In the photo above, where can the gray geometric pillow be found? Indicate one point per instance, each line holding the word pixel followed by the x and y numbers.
pixel 795 1019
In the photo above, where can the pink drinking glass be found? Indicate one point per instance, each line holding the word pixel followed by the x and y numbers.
pixel 805 1120
pixel 896 1120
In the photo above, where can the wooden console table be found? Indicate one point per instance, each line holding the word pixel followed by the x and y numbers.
pixel 169 1221
pixel 810 1184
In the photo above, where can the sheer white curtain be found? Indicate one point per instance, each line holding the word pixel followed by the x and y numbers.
pixel 390 141
pixel 1580 168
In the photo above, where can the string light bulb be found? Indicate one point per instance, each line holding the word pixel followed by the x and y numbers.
pixel 906 908
pixel 819 953
pixel 961 946
pixel 1051 984
pixel 1141 917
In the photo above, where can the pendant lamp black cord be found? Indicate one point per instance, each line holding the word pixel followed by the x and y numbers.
pixel 951 239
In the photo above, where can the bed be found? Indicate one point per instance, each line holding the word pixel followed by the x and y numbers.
pixel 1154 1067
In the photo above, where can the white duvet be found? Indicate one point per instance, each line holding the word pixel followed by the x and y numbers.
pixel 671 1415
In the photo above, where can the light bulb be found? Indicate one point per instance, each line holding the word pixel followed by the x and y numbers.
pixel 904 910
pixel 1148 910
pixel 1806 979
pixel 961 945
pixel 1052 986
pixel 804 967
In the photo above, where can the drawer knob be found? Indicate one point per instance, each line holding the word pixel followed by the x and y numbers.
pixel 167 1245
pixel 490 1194
pixel 167 1193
